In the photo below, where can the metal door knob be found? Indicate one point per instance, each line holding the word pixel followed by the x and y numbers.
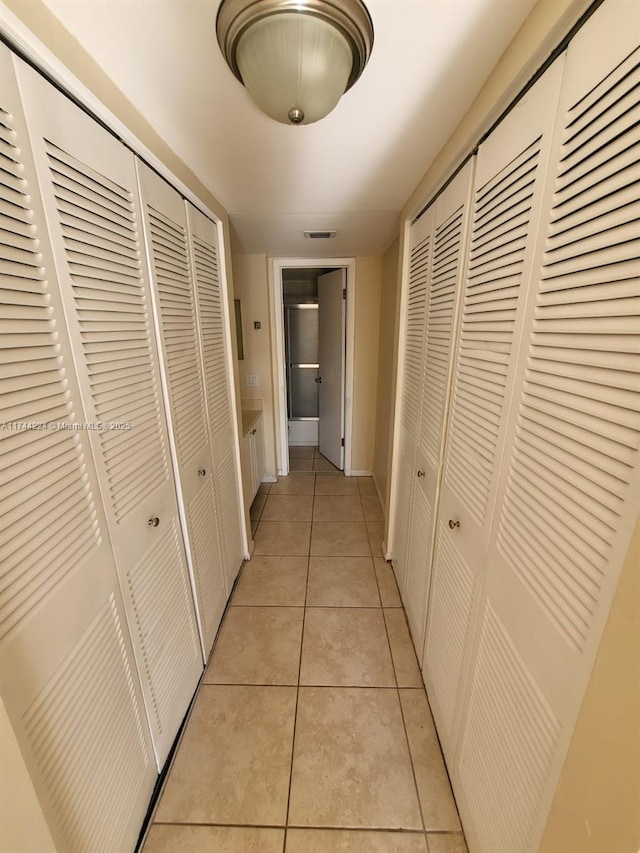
pixel 202 472
pixel 254 431
pixel 154 521
pixel 453 524
pixel 420 474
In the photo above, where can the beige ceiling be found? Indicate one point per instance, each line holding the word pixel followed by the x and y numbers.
pixel 353 170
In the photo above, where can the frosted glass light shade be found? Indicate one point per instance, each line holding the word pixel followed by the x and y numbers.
pixel 291 62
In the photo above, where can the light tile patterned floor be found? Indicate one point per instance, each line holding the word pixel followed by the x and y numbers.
pixel 311 732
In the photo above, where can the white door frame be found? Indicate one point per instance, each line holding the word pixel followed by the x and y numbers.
pixel 278 366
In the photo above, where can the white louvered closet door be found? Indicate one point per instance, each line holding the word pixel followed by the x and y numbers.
pixel 508 186
pixel 67 672
pixel 165 218
pixel 215 341
pixel 88 182
pixel 413 325
pixel 450 217
pixel 571 493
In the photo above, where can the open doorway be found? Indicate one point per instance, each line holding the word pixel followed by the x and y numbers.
pixel 312 318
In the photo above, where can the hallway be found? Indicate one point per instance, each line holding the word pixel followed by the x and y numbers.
pixel 311 732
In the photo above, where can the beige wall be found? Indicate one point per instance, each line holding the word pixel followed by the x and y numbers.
pixel 365 367
pixel 597 803
pixel 387 360
pixel 22 825
pixel 251 281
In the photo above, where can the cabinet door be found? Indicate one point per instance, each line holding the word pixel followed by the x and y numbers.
pixel 67 673
pixel 165 219
pixel 215 339
pixel 570 493
pixel 450 218
pixel 259 451
pixel 88 183
pixel 507 197
pixel 412 361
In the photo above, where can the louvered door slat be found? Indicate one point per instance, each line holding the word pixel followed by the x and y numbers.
pixel 212 327
pixel 213 323
pixel 570 489
pixel 589 376
pixel 450 214
pixel 89 185
pixel 172 274
pixel 442 300
pixel 410 388
pixel 415 322
pixel 66 664
pixel 488 321
pixel 507 198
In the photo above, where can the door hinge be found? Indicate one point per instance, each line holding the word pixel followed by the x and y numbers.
pixel 342 442
pixel 344 292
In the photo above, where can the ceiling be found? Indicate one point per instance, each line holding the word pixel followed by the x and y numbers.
pixel 352 171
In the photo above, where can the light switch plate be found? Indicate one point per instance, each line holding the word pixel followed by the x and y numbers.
pixel 252 380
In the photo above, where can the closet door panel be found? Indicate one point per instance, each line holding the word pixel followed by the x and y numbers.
pixel 66 664
pixel 450 217
pixel 413 324
pixel 507 198
pixel 214 327
pixel 165 219
pixel 88 183
pixel 571 490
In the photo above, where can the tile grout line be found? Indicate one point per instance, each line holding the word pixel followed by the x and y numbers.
pixel 395 675
pixel 295 714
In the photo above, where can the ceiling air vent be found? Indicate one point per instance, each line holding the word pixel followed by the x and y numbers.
pixel 320 235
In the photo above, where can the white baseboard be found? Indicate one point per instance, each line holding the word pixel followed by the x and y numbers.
pixel 269 479
pixel 361 473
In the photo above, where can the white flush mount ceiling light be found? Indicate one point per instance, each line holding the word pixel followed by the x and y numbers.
pixel 296 57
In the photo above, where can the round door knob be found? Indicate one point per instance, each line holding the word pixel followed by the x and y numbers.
pixel 453 524
pixel 202 472
pixel 420 474
pixel 154 521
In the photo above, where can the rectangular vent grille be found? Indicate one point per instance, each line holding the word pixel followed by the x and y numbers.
pixel 449 622
pixel 414 340
pixel 213 339
pixel 85 731
pixel 498 241
pixel 508 744
pixel 161 600
pixel 579 419
pixel 102 247
pixel 320 235
pixel 441 306
pixel 49 522
pixel 178 317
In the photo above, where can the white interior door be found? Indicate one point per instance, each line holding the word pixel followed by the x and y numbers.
pixel 213 323
pixel 165 218
pixel 67 672
pixel 570 492
pixel 450 216
pixel 413 331
pixel 89 186
pixel 332 288
pixel 510 172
